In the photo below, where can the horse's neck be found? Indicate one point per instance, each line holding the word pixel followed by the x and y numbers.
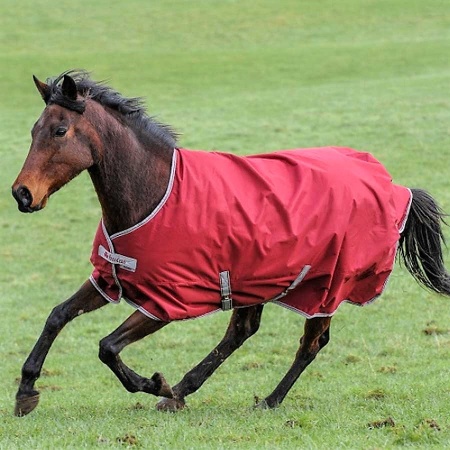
pixel 130 180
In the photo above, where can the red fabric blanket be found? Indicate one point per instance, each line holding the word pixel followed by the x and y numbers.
pixel 307 228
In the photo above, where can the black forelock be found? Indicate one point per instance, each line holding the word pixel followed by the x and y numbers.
pixel 57 97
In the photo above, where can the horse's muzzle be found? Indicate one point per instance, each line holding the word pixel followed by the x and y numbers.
pixel 24 199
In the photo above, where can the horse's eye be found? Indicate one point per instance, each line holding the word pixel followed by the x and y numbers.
pixel 60 131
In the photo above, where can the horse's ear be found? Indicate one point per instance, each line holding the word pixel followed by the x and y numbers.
pixel 69 88
pixel 44 89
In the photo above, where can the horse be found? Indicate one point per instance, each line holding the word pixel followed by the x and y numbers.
pixel 306 229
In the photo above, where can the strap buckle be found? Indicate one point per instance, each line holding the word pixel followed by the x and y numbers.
pixel 225 290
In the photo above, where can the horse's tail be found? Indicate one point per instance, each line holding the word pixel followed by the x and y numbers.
pixel 421 243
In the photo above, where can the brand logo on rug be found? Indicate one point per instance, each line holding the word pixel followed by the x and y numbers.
pixel 124 262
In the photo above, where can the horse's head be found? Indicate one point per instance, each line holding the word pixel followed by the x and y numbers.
pixel 63 145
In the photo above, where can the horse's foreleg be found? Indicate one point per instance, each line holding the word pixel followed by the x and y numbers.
pixel 86 299
pixel 243 324
pixel 136 327
pixel 316 336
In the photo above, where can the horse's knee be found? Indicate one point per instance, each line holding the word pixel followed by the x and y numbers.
pixel 56 320
pixel 60 316
pixel 106 350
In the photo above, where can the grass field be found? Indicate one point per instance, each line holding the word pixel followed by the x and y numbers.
pixel 243 76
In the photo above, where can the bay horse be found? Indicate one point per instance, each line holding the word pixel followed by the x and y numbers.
pixel 186 233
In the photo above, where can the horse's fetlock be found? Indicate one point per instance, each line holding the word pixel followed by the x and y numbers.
pixel 161 387
pixel 29 373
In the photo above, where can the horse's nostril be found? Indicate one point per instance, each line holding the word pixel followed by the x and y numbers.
pixel 23 196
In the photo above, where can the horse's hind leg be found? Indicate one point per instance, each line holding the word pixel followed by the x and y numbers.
pixel 136 327
pixel 243 324
pixel 86 299
pixel 316 336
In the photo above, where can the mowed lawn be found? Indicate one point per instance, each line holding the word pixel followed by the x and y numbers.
pixel 242 76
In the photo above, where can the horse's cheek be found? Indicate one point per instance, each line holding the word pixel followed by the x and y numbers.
pixel 91 145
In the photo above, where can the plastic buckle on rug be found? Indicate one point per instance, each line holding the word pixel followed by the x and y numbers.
pixel 225 290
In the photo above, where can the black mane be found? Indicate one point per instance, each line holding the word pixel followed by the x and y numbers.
pixel 132 109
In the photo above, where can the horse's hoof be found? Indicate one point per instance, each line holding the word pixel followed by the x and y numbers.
pixel 170 405
pixel 164 389
pixel 261 405
pixel 26 404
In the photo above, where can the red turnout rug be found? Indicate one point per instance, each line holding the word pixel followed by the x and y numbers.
pixel 305 228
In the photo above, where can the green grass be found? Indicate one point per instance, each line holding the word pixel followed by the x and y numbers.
pixel 245 76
